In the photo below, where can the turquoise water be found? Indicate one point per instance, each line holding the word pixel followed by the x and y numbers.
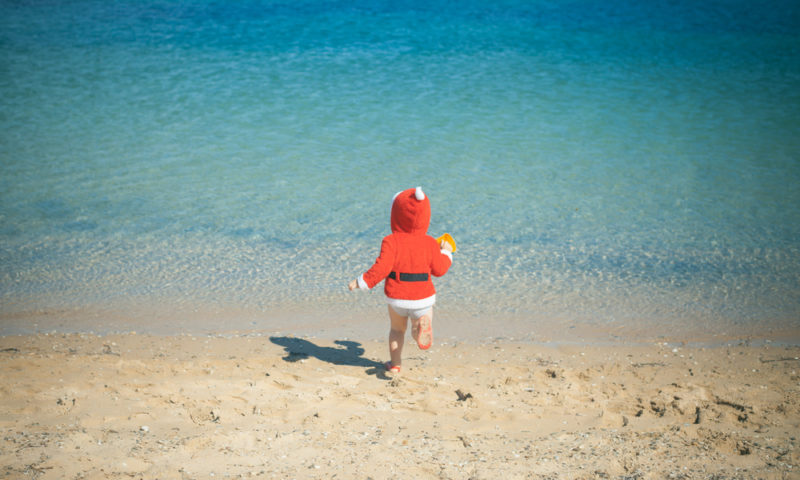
pixel 169 166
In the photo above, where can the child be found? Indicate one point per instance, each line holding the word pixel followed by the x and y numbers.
pixel 407 260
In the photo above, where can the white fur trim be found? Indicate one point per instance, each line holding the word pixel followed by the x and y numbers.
pixel 412 304
pixel 420 196
pixel 449 254
pixel 361 283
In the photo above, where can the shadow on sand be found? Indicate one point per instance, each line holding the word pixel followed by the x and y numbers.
pixel 350 354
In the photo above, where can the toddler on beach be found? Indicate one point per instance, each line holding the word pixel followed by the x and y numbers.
pixel 408 258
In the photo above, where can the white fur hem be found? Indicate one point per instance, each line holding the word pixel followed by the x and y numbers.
pixel 412 304
pixel 361 283
pixel 449 255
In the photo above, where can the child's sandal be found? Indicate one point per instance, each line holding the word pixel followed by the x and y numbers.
pixel 425 335
pixel 392 368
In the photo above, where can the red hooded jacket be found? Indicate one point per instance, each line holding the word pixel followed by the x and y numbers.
pixel 409 256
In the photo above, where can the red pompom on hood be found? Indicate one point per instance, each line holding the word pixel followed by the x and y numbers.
pixel 411 211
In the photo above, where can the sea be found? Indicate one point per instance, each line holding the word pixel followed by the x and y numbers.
pixel 616 170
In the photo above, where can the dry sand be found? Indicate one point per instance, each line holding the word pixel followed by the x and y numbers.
pixel 136 406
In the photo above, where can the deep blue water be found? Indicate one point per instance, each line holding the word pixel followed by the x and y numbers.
pixel 622 163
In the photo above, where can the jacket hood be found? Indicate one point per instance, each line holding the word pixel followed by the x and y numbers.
pixel 411 211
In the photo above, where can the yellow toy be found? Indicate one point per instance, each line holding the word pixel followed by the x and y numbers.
pixel 447 238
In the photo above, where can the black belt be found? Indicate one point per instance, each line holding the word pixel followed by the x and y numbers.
pixel 410 277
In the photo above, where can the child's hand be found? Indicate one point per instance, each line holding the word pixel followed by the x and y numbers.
pixel 352 285
pixel 446 246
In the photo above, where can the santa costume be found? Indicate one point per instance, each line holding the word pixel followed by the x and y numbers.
pixel 409 257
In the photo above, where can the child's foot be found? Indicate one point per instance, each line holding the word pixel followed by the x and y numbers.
pixel 392 369
pixel 425 338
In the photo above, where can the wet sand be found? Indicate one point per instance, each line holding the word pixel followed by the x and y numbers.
pixel 251 406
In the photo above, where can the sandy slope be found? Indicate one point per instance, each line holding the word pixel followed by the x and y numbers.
pixel 134 406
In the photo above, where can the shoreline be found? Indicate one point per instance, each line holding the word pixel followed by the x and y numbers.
pixel 186 406
pixel 370 323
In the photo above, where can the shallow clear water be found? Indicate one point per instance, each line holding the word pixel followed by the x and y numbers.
pixel 626 164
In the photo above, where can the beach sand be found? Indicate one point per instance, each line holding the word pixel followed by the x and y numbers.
pixel 252 406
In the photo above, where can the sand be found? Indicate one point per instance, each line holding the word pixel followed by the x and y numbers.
pixel 252 406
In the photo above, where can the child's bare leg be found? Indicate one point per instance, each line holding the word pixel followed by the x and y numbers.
pixel 397 335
